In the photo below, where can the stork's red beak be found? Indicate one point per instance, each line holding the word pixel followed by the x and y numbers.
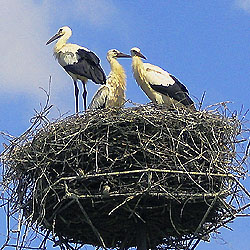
pixel 53 38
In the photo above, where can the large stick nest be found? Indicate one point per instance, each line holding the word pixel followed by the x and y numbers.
pixel 101 177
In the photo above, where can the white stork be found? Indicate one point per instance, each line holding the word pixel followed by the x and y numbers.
pixel 79 62
pixel 160 86
pixel 113 93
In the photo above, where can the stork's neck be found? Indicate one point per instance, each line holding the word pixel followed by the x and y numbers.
pixel 137 66
pixel 117 72
pixel 60 43
pixel 114 65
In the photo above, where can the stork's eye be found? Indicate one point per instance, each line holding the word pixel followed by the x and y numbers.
pixel 60 30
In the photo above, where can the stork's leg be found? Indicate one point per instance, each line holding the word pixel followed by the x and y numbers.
pixel 76 96
pixel 84 95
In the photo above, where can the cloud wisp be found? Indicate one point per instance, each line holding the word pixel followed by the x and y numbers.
pixel 26 63
pixel 97 13
pixel 243 4
pixel 24 58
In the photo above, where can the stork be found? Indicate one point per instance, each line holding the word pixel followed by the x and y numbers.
pixel 160 86
pixel 79 62
pixel 113 93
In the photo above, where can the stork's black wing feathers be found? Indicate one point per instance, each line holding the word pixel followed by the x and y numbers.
pixel 176 91
pixel 88 66
pixel 88 56
pixel 100 98
pixel 182 86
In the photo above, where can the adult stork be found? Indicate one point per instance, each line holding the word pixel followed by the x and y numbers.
pixel 79 62
pixel 160 86
pixel 113 93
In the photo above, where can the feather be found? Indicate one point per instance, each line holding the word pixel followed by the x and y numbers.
pixel 100 98
pixel 87 66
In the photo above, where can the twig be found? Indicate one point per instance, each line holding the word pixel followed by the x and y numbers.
pixel 90 223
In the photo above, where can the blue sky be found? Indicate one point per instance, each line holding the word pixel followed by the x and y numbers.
pixel 203 43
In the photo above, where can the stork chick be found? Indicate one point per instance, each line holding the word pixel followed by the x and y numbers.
pixel 160 86
pixel 113 93
pixel 79 62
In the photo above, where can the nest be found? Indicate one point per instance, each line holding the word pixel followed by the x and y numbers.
pixel 121 177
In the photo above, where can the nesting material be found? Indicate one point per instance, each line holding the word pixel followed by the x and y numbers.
pixel 103 176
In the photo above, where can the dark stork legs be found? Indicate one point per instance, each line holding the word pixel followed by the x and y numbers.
pixel 76 96
pixel 84 95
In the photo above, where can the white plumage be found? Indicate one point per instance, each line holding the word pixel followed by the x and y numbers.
pixel 113 93
pixel 160 86
pixel 79 62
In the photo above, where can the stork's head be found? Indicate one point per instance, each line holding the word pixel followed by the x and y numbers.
pixel 64 31
pixel 114 53
pixel 137 52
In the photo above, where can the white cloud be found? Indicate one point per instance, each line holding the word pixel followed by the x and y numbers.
pixel 98 12
pixel 93 12
pixel 243 4
pixel 26 63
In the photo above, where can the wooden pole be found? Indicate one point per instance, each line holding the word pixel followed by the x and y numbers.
pixel 141 236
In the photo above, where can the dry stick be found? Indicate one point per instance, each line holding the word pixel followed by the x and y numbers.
pixel 242 187
pixel 222 223
pixel 18 230
pixel 142 148
pixel 247 152
pixel 238 198
pixel 96 159
pixel 227 206
pixel 171 219
pixel 157 194
pixel 68 245
pixel 206 214
pixel 60 209
pixel 90 223
pixel 133 210
pixel 25 235
pixel 188 174
pixel 195 244
pixel 8 226
pixel 107 144
pixel 145 170
pixel 23 247
pixel 46 191
pixel 36 122
pixel 43 243
pixel 126 200
pixel 81 245
pixel 213 229
pixel 201 101
pixel 242 215
pixel 170 195
pixel 243 208
pixel 203 219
